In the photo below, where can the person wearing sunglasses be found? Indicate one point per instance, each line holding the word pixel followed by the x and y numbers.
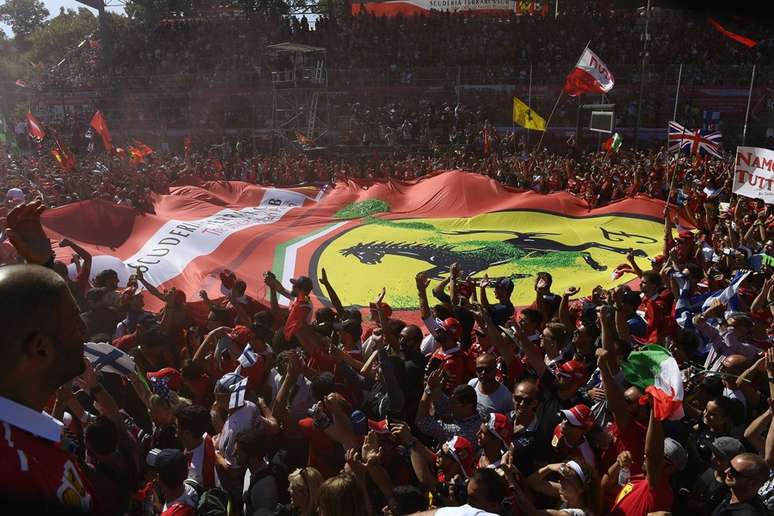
pixel 745 475
pixel 492 395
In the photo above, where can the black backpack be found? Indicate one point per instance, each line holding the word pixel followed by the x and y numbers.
pixel 279 472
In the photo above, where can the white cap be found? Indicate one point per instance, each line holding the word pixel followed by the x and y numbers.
pixel 15 194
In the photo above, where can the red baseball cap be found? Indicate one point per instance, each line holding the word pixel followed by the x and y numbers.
pixel 573 369
pixel 451 326
pixel 170 374
pixel 579 416
pixel 241 334
pixel 461 450
pixel 500 427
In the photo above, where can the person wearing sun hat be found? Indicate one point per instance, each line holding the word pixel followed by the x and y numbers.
pixel 494 439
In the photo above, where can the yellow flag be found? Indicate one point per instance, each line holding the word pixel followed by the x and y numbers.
pixel 527 118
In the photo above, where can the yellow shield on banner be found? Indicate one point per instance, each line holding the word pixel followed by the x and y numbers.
pixel 581 252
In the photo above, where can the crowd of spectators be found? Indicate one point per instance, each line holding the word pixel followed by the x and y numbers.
pixel 484 408
pixel 231 50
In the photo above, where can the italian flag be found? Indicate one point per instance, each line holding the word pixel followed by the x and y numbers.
pixel 655 371
pixel 613 143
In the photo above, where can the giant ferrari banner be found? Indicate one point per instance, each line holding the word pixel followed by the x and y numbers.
pixel 366 235
pixel 409 7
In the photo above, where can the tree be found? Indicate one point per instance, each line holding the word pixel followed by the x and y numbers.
pixel 24 16
pixel 59 35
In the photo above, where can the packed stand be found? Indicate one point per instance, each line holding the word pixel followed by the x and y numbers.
pixel 482 408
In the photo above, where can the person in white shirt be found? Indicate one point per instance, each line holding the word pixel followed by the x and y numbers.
pixel 492 395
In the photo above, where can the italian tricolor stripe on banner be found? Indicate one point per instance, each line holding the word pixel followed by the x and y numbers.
pixel 365 234
pixel 654 370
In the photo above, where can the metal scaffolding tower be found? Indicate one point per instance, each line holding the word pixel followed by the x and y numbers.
pixel 299 83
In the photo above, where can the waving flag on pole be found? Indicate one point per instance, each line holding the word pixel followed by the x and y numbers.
pixel 34 129
pixel 590 75
pixel 100 125
pixel 696 143
pixel 744 40
pixel 655 371
pixel 525 117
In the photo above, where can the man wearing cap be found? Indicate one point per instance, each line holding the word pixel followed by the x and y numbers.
pixel 455 458
pixel 493 439
pixel 710 489
pixel 462 405
pixel 569 439
pixel 503 310
pixel 171 466
pixel 300 307
pixel 456 363
pixel 651 491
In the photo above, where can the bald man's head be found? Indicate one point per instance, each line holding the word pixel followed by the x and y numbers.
pixel 35 301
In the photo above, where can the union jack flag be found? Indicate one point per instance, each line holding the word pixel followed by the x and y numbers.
pixel 696 142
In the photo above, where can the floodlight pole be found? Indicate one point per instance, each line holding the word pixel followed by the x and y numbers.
pixel 645 38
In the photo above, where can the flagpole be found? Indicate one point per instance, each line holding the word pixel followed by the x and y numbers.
pixel 677 93
pixel 747 113
pixel 561 92
pixel 529 100
pixel 548 122
pixel 556 12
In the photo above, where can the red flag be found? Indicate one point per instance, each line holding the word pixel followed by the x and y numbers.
pixel 736 37
pixel 62 154
pixel 590 75
pixel 34 128
pixel 99 125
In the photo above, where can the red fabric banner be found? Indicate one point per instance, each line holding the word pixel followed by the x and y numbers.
pixel 366 235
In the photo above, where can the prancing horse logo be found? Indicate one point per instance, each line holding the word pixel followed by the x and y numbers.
pixel 475 261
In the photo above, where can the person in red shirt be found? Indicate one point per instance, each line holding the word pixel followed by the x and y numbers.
pixel 650 491
pixel 629 414
pixel 42 348
pixel 658 308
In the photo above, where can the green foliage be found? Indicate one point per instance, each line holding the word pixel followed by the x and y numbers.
pixel 401 224
pixel 360 209
pixel 24 16
pixel 60 34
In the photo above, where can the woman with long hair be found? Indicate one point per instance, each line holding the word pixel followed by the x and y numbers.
pixel 342 496
pixel 304 488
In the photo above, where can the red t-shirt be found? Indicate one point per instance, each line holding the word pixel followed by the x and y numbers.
pixel 631 439
pixel 325 454
pixel 33 463
pixel 321 361
pixel 638 499
pixel 179 509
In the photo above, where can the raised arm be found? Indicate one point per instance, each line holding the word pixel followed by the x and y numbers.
pixel 209 342
pixel 153 290
pixel 83 253
pixel 424 307
pixel 654 451
pixel 616 402
pixel 769 449
pixel 564 307
pixel 332 295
